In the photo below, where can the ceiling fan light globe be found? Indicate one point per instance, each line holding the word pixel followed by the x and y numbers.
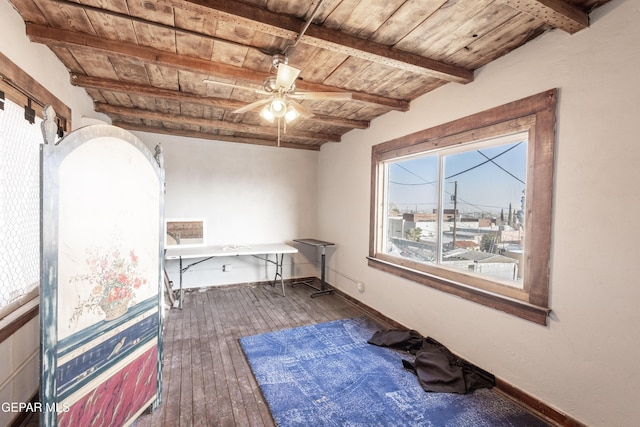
pixel 291 114
pixel 266 114
pixel 278 107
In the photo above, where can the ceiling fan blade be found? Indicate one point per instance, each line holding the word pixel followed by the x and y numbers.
pixel 251 106
pixel 302 110
pixel 326 96
pixel 235 86
pixel 287 76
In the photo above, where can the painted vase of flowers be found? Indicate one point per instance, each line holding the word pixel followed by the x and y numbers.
pixel 115 276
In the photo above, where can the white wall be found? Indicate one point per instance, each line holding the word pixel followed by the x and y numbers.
pixel 248 194
pixel 585 362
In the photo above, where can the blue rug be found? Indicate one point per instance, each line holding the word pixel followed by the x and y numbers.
pixel 327 375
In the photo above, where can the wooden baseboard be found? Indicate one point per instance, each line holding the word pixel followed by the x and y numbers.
pixel 536 406
pixel 529 402
pixel 364 307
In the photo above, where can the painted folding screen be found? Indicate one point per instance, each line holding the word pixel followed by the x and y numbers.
pixel 101 295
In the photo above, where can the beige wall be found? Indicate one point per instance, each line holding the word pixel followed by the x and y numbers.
pixel 20 367
pixel 585 362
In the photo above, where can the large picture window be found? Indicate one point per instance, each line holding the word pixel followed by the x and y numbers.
pixel 466 207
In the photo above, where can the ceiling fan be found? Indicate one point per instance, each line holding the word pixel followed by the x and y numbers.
pixel 281 94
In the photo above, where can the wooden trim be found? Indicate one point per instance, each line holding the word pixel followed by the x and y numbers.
pixel 23 83
pixel 19 321
pixel 455 277
pixel 518 308
pixel 364 307
pixel 510 111
pixel 463 135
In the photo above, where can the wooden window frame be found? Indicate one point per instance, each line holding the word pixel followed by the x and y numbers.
pixel 535 115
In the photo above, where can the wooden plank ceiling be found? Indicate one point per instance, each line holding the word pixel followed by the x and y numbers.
pixel 144 62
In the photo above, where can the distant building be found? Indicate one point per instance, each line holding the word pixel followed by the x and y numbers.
pixel 482 262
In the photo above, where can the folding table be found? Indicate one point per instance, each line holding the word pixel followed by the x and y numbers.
pixel 205 253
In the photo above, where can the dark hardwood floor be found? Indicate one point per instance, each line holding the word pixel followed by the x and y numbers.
pixel 206 378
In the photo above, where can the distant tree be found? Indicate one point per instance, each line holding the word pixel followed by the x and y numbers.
pixel 488 243
pixel 414 234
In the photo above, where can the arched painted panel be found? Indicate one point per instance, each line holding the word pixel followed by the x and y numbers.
pixel 101 293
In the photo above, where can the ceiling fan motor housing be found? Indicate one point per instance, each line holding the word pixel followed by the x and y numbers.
pixel 279 59
pixel 270 85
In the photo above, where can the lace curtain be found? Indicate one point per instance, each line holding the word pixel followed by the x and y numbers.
pixel 19 205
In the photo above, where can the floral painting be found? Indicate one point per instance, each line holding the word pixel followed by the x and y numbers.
pixel 109 235
pixel 115 277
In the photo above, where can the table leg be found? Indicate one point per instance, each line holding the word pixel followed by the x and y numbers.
pixel 181 295
pixel 279 263
pixel 323 284
pixel 168 284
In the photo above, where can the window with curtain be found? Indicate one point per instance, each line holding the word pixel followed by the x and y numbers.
pixel 22 100
pixel 19 205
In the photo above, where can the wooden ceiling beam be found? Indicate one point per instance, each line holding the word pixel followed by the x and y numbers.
pixel 72 39
pixel 213 136
pixel 211 123
pixel 288 27
pixel 89 82
pixel 557 13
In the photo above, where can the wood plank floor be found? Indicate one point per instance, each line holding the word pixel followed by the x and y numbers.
pixel 206 378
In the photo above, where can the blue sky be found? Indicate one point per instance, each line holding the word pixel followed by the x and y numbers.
pixel 483 184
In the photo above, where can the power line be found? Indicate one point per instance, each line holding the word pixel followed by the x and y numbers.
pixel 489 159
pixel 416 175
pixel 512 175
pixel 409 184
